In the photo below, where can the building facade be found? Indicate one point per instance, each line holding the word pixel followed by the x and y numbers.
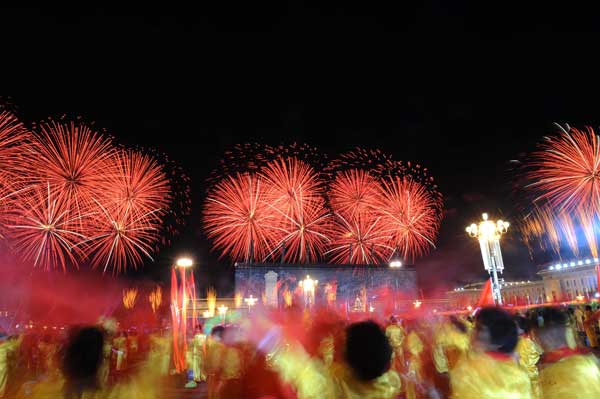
pixel 558 282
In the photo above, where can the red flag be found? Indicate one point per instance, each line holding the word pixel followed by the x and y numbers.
pixel 486 298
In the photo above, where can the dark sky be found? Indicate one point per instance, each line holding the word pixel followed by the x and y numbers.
pixel 461 87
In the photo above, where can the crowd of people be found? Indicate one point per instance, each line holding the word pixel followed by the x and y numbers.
pixel 540 354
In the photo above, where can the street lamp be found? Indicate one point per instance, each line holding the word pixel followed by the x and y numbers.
pixel 395 264
pixel 488 233
pixel 309 285
pixel 184 262
pixel 250 302
pixel 222 312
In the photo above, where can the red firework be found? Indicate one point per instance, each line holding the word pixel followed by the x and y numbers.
pixel 410 214
pixel 75 161
pixel 354 192
pixel 44 231
pixel 238 219
pixel 139 187
pixel 304 234
pixel 565 171
pixel 120 238
pixel 360 240
pixel 296 199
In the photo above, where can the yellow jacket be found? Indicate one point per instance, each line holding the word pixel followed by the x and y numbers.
pixel 479 375
pixel 311 378
pixel 569 373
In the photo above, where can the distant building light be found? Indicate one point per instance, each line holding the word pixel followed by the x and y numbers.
pixel 551 268
pixel 595 259
pixel 597 295
pixel 580 263
pixel 587 261
pixel 395 264
pixel 572 264
pixel 558 267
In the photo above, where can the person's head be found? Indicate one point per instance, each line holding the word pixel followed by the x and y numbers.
pixel 496 330
pixel 393 320
pixel 83 356
pixel 217 332
pixel 368 352
pixel 571 311
pixel 553 334
pixel 457 324
pixel 524 324
pixel 588 307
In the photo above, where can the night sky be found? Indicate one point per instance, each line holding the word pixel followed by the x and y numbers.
pixel 460 88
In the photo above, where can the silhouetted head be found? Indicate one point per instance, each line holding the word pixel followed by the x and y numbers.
pixel 217 332
pixel 553 334
pixel 524 324
pixel 588 307
pixel 82 358
pixel 496 330
pixel 368 352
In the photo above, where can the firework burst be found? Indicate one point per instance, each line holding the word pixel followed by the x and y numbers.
pixel 75 161
pixel 119 238
pixel 238 219
pixel 296 200
pixel 44 231
pixel 410 215
pixel 139 186
pixel 359 240
pixel 565 171
pixel 354 192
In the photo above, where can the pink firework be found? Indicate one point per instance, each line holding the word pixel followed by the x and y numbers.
pixel 360 239
pixel 44 231
pixel 410 214
pixel 354 192
pixel 238 220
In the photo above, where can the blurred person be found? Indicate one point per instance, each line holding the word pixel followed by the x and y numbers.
pixel 415 370
pixel 198 355
pixel 81 365
pixel 529 353
pixel 589 325
pixel 120 351
pixel 363 373
pixel 490 370
pixel 395 334
pixel 565 372
pixel 451 341
pixel 7 347
pixel 214 354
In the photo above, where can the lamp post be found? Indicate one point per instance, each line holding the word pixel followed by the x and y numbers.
pixel 250 302
pixel 222 312
pixel 180 294
pixel 309 285
pixel 488 233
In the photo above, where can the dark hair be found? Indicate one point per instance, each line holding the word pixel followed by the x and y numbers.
pixel 459 325
pixel 217 331
pixel 588 307
pixel 368 352
pixel 501 326
pixel 524 324
pixel 82 358
pixel 554 317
